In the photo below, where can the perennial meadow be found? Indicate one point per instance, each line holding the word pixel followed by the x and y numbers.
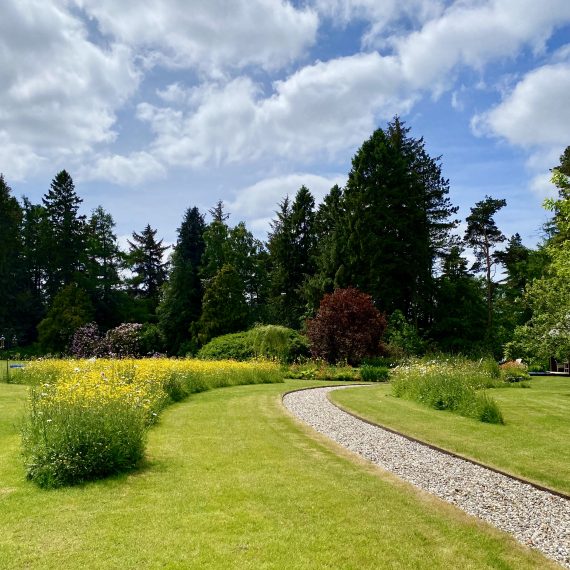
pixel 88 418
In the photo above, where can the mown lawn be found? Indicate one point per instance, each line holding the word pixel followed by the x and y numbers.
pixel 232 481
pixel 532 444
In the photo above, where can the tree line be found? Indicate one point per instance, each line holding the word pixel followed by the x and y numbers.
pixel 391 232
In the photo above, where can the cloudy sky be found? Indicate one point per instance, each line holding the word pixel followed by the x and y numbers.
pixel 157 105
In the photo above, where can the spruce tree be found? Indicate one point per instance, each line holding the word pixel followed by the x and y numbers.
pixel 181 303
pixel 397 222
pixel 103 262
pixel 65 234
pixel 146 262
pixel 291 246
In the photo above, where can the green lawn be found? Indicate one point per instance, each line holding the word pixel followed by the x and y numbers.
pixel 232 481
pixel 533 443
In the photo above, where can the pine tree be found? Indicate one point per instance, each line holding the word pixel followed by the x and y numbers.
pixel 181 304
pixel 146 262
pixel 65 234
pixel 482 235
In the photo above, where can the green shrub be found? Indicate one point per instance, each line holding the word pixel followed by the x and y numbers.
pixel 263 341
pixel 370 373
pixel 235 346
pixel 282 343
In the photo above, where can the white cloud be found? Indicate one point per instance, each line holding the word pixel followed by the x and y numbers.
pixel 316 112
pixel 59 91
pixel 533 113
pixel 130 170
pixel 473 33
pixel 258 202
pixel 208 35
pixel 534 116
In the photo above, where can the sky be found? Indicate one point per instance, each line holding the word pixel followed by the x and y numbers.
pixel 155 106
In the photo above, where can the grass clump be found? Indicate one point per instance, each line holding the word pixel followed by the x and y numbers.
pixel 369 373
pixel 88 418
pixel 452 384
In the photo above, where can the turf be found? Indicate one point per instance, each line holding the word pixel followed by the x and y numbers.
pixel 532 444
pixel 233 481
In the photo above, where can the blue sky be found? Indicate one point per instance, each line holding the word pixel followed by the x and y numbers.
pixel 157 106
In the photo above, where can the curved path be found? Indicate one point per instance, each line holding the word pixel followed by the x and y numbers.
pixel 535 517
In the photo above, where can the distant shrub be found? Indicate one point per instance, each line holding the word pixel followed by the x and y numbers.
pixel 235 346
pixel 86 342
pixel 151 340
pixel 266 341
pixel 124 341
pixel 347 327
pixel 370 373
pixel 282 343
pixel 514 372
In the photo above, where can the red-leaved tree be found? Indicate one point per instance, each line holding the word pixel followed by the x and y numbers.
pixel 347 327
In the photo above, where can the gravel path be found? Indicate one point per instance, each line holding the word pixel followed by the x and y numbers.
pixel 536 518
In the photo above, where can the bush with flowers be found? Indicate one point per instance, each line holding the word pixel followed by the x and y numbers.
pixel 88 418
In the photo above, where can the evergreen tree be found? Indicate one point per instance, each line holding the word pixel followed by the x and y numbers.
pixel 224 308
pixel 397 222
pixel 146 262
pixel 12 275
pixel 483 235
pixel 103 262
pixel 460 315
pixel 65 234
pixel 181 304
pixel 291 247
pixel 71 309
pixel 215 243
pixel 328 252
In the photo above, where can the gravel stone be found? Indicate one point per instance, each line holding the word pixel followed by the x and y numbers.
pixel 536 518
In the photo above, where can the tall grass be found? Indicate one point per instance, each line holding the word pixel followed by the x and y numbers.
pixel 88 418
pixel 457 385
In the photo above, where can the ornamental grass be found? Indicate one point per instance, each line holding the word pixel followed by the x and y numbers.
pixel 88 419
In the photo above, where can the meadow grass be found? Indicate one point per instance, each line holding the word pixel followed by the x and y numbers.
pixel 233 481
pixel 454 384
pixel 532 444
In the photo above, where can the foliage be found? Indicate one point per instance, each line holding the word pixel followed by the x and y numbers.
pixel 265 341
pixel 146 262
pixel 396 223
pixel 235 346
pixel 547 333
pixel 402 337
pixel 281 343
pixel 452 384
pixel 370 373
pixel 347 327
pixel 181 302
pixel 291 246
pixel 88 418
pixel 71 309
pixel 224 307
pixel 63 234
pixel 482 234
pixel 319 370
